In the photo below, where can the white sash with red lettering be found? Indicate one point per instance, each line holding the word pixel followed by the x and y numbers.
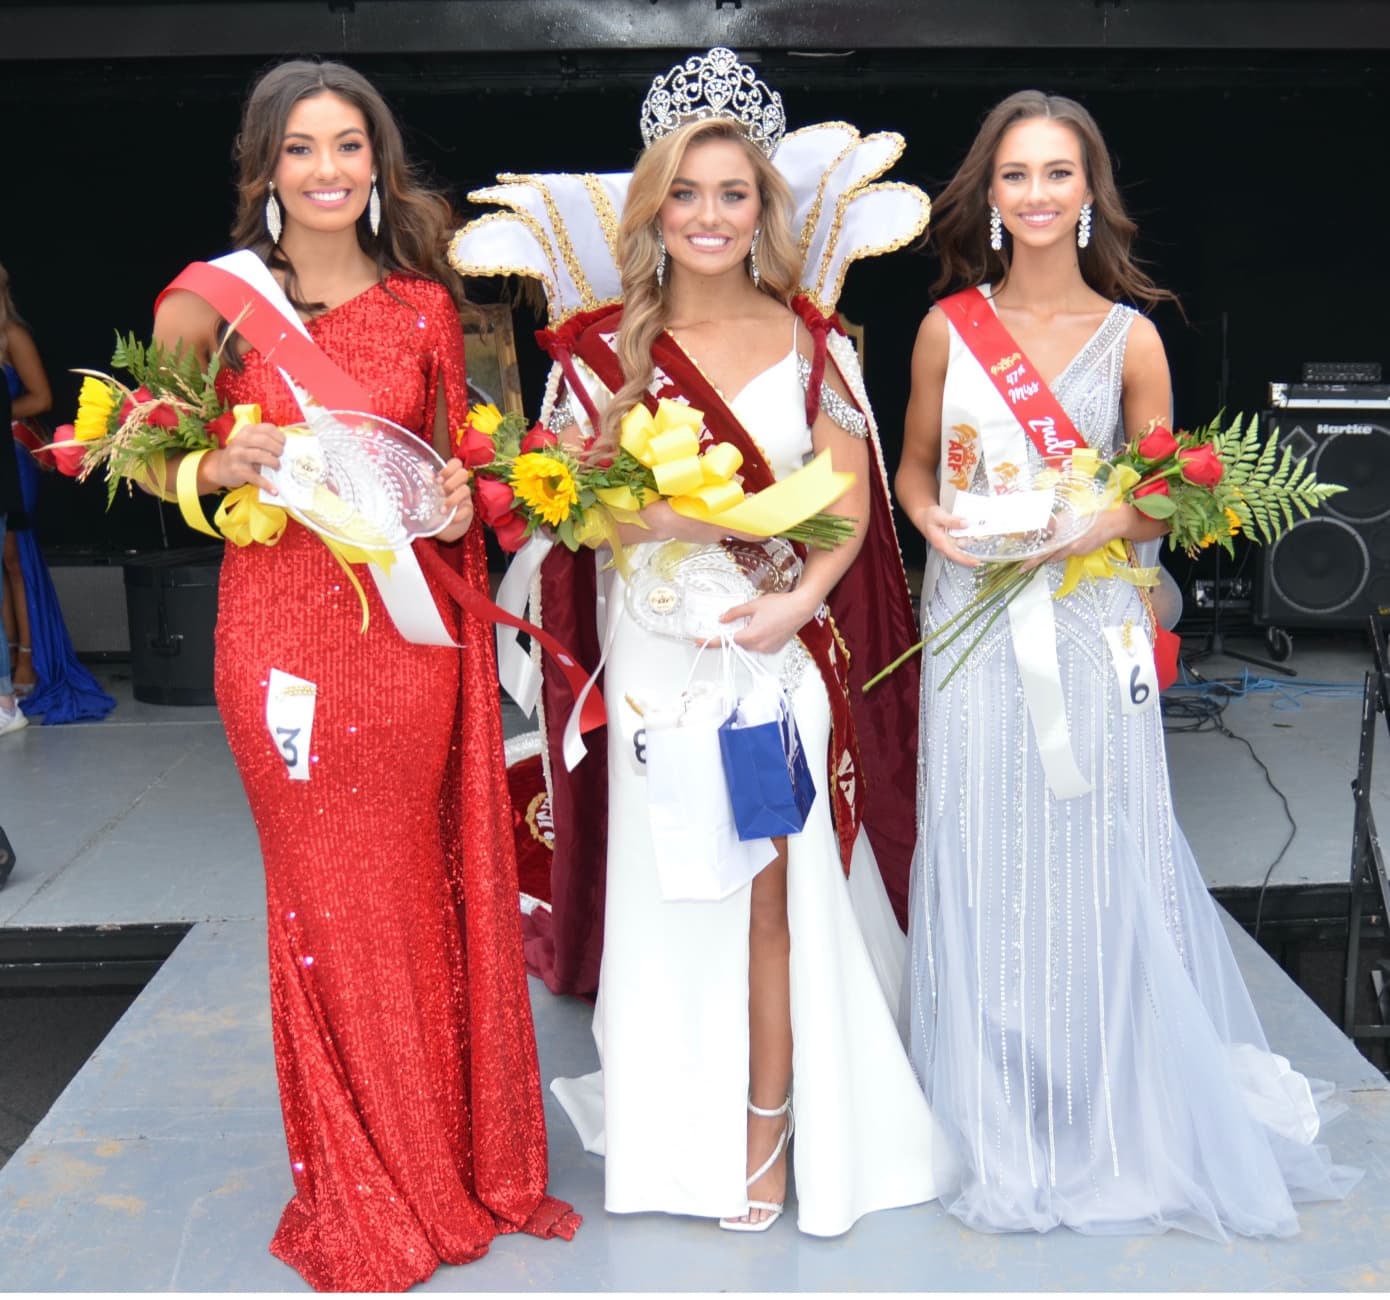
pixel 980 425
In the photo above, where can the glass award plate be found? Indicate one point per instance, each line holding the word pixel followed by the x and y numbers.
pixel 362 480
pixel 1061 508
pixel 680 589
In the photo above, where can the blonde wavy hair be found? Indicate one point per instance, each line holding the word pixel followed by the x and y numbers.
pixel 645 305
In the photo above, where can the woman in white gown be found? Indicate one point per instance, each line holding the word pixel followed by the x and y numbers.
pixel 714 1018
pixel 1077 1016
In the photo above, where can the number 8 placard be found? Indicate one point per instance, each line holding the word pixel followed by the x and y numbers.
pixel 289 716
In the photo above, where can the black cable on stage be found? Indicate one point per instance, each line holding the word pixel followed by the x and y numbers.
pixel 1205 711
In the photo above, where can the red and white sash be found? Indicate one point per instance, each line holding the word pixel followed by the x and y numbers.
pixel 1009 405
pixel 242 290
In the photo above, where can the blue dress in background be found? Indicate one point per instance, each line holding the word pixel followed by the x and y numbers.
pixel 66 691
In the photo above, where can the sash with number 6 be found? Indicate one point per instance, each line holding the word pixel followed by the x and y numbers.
pixel 1039 413
pixel 1021 406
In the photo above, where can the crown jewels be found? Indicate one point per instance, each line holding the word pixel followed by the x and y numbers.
pixel 709 85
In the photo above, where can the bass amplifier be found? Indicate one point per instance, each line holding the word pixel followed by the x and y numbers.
pixel 1332 569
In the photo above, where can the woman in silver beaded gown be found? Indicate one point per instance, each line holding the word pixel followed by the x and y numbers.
pixel 1077 1017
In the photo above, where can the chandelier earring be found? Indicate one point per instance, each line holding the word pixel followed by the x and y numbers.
pixel 996 228
pixel 753 271
pixel 374 209
pixel 274 222
pixel 1083 227
pixel 661 259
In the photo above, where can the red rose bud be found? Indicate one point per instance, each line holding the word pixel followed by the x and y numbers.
pixel 511 531
pixel 493 500
pixel 141 394
pixel 160 417
pixel 1158 444
pixel 221 427
pixel 473 448
pixel 67 453
pixel 538 436
pixel 1201 466
pixel 1157 487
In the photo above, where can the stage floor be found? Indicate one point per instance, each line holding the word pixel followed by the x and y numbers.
pixel 162 1166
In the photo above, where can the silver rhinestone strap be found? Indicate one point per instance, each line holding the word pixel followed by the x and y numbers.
pixel 561 416
pixel 844 413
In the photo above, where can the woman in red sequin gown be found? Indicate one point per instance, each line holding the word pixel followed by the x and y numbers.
pixel 403 1037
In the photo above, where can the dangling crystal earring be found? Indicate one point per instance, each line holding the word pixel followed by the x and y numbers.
pixel 374 209
pixel 996 229
pixel 1083 227
pixel 753 271
pixel 273 222
pixel 661 261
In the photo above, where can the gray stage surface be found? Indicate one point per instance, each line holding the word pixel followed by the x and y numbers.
pixel 162 1166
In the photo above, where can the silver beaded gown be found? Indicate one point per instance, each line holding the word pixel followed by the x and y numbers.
pixel 1077 1018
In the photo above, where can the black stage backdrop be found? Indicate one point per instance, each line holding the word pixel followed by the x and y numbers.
pixel 1258 180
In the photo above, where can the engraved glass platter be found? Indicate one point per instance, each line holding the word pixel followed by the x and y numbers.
pixel 1077 496
pixel 361 479
pixel 681 589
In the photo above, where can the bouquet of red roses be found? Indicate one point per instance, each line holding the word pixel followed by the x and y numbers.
pixel 1207 485
pixel 171 405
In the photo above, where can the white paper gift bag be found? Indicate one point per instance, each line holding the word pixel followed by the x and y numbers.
pixel 699 856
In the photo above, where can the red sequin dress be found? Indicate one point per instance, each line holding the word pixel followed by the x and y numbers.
pixel 403 1037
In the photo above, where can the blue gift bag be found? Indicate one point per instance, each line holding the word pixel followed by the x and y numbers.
pixel 769 779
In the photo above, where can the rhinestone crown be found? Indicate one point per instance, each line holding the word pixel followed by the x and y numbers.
pixel 709 85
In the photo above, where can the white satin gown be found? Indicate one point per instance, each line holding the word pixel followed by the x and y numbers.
pixel 668 1108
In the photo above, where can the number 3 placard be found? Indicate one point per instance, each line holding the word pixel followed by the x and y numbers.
pixel 289 716
pixel 1133 659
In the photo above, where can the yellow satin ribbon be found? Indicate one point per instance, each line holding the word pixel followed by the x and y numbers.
pixel 1108 561
pixel 702 485
pixel 1112 559
pixel 243 518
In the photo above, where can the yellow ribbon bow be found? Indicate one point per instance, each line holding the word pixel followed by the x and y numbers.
pixel 703 486
pixel 1112 559
pixel 243 518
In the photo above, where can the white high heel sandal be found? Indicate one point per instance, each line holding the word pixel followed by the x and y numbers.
pixel 774 1208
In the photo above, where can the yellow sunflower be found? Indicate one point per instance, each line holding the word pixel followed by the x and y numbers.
pixel 546 484
pixel 95 403
pixel 1232 528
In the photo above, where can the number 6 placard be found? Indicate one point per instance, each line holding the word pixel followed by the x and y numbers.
pixel 1133 660
pixel 289 716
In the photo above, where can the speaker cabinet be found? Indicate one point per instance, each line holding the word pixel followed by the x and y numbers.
pixel 171 603
pixel 1333 569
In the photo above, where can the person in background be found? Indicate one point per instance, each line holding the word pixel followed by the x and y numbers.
pixel 11 716
pixel 49 680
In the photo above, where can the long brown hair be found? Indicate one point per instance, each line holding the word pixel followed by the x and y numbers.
pixel 8 315
pixel 960 216
pixel 645 305
pixel 415 220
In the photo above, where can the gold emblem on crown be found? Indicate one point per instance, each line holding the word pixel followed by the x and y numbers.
pixel 714 84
